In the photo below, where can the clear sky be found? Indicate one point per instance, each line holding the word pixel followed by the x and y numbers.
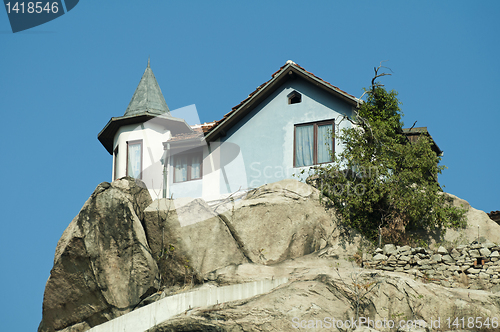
pixel 61 82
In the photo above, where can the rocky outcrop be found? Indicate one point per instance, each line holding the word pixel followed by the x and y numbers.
pixel 269 225
pixel 103 264
pixel 279 221
pixel 188 231
pixel 478 225
pixel 121 247
pixel 320 295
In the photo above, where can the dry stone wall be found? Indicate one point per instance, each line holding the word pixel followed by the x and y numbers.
pixel 476 265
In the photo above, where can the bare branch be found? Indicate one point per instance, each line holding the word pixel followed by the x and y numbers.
pixel 377 75
pixel 413 125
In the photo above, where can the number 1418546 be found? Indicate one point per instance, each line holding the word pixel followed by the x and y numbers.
pixel 32 7
pixel 472 322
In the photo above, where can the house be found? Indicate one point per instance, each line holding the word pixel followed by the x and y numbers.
pixel 413 134
pixel 282 128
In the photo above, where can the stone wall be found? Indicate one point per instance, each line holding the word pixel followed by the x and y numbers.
pixel 475 265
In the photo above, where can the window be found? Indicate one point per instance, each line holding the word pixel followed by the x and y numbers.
pixel 313 143
pixel 134 159
pixel 294 97
pixel 115 153
pixel 188 166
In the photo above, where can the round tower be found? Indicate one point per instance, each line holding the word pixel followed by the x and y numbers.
pixel 135 139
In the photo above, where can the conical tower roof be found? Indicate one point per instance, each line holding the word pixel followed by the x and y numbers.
pixel 147 104
pixel 147 97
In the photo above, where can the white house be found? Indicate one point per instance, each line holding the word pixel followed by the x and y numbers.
pixel 283 126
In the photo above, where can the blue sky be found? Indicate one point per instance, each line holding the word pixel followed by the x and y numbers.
pixel 62 81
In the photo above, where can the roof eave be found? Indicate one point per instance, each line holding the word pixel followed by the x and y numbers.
pixel 190 142
pixel 268 89
pixel 107 134
pixel 346 97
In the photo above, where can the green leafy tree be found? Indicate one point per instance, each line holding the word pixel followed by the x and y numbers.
pixel 381 184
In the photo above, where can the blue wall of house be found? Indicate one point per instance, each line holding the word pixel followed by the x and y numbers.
pixel 266 135
pixel 265 138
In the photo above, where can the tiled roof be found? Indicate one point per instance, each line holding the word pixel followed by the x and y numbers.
pixel 416 130
pixel 413 135
pixel 199 131
pixel 147 97
pixel 278 71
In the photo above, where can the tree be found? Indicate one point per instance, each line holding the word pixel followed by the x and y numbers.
pixel 382 184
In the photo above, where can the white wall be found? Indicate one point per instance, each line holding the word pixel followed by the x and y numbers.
pixel 209 186
pixel 155 313
pixel 152 136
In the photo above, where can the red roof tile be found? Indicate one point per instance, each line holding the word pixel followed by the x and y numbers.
pixel 199 131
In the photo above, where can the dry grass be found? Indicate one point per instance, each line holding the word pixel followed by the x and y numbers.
pixel 463 279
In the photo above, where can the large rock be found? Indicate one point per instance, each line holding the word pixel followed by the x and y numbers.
pixel 103 264
pixel 479 227
pixel 270 224
pixel 317 293
pixel 475 219
pixel 189 231
pixel 279 221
